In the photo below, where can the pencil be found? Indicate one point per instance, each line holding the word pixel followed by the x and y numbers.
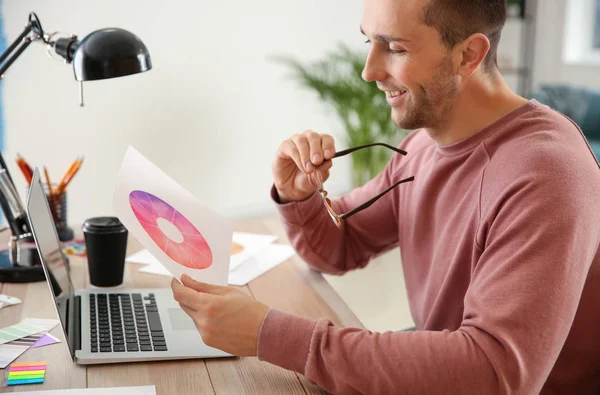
pixel 25 168
pixel 69 176
pixel 51 199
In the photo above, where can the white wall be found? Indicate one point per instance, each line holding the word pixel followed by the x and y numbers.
pixel 211 113
pixel 549 64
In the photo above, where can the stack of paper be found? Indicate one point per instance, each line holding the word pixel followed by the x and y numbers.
pixel 252 255
pixel 18 338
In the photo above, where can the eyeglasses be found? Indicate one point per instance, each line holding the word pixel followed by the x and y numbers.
pixel 339 218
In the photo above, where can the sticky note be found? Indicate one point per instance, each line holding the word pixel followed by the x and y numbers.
pixel 24 368
pixel 27 364
pixel 26 373
pixel 21 382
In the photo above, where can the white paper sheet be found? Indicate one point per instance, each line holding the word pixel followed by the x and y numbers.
pixel 143 257
pixel 154 268
pixel 260 263
pixel 244 246
pixel 181 232
pixel 144 390
pixel 250 269
pixel 6 300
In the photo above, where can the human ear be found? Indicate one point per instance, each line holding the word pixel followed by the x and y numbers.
pixel 472 53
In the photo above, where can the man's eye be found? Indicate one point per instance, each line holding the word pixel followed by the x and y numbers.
pixel 368 42
pixel 396 51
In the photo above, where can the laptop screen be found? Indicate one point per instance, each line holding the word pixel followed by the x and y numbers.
pixel 53 261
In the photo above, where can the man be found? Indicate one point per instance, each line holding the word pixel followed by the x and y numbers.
pixel 499 231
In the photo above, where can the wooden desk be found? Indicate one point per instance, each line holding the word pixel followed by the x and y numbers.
pixel 290 287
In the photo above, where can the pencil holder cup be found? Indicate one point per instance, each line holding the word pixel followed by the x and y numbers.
pixel 58 209
pixel 58 206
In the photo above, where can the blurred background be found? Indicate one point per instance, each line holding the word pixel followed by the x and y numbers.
pixel 211 113
pixel 227 86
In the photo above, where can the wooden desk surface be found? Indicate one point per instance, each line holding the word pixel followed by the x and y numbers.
pixel 290 287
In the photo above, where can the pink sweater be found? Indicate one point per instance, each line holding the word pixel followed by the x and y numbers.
pixel 499 236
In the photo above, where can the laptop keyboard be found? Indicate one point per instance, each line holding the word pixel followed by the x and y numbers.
pixel 125 323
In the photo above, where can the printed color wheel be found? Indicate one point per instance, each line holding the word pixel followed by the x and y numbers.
pixel 193 252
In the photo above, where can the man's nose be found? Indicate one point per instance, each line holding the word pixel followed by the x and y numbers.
pixel 373 70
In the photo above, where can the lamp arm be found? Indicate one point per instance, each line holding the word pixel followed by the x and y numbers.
pixel 28 29
pixel 14 57
pixel 32 31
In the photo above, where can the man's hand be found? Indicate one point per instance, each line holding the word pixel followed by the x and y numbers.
pixel 296 159
pixel 226 318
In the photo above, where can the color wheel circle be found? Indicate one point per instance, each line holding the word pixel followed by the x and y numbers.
pixel 193 252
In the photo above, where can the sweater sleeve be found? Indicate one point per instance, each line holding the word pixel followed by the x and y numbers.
pixel 536 248
pixel 325 247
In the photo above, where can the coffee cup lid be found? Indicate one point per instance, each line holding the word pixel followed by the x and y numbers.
pixel 103 225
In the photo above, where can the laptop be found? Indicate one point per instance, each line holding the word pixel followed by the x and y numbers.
pixel 110 326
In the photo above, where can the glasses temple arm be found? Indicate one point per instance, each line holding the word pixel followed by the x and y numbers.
pixel 350 150
pixel 373 200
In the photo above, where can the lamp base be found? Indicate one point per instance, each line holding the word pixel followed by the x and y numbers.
pixel 28 270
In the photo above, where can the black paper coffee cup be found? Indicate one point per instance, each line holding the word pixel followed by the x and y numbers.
pixel 106 245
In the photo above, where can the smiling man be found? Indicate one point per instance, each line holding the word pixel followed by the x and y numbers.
pixel 499 231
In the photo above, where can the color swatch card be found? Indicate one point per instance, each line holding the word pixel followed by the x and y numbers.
pixel 26 373
pixel 181 232
pixel 14 349
pixel 46 340
pixel 28 326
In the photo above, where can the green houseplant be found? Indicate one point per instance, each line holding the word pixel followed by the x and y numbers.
pixel 361 106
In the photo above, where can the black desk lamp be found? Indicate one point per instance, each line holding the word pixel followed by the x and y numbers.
pixel 102 54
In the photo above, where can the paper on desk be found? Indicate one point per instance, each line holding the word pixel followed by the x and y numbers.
pixel 46 340
pixel 6 300
pixel 182 233
pixel 144 390
pixel 250 269
pixel 155 268
pixel 13 349
pixel 260 263
pixel 28 326
pixel 244 246
pixel 143 257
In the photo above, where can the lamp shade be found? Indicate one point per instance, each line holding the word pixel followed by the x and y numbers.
pixel 110 53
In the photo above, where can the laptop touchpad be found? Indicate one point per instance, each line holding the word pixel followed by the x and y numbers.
pixel 180 320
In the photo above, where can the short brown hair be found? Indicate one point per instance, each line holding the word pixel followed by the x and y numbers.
pixel 456 20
